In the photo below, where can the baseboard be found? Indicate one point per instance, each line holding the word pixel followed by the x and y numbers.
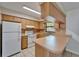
pixel 69 50
pixel 14 54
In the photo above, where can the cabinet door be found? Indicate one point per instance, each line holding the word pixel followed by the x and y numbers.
pixel 24 42
pixel 17 19
pixel 29 22
pixel 8 17
pixel 41 25
pixel 32 23
pixel 24 23
pixel 40 51
pixel 44 10
pixel 36 24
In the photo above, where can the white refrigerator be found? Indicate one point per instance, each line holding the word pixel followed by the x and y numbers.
pixel 11 38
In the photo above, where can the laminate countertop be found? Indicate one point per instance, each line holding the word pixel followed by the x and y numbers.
pixel 55 43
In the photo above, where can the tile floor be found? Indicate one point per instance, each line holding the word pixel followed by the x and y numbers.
pixel 29 52
pixel 69 54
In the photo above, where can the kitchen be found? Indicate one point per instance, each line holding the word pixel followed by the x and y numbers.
pixel 38 30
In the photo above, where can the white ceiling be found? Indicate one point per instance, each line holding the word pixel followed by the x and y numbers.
pixel 68 6
pixel 17 6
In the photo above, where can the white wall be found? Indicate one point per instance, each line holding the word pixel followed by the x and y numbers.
pixel 72 23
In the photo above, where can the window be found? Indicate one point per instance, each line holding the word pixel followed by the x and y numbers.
pixel 50 23
pixel 50 26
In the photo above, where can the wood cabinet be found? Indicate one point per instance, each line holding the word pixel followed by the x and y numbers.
pixel 56 26
pixel 24 42
pixel 17 19
pixel 36 24
pixel 62 26
pixel 49 9
pixel 28 22
pixel 11 18
pixel 24 23
pixel 7 17
pixel 42 25
pixel 40 51
pixel 44 9
pixel 31 23
pixel 55 12
pixel 41 34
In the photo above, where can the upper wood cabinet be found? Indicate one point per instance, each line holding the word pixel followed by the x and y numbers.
pixel 36 24
pixel 17 19
pixel 41 25
pixel 23 21
pixel 49 9
pixel 10 18
pixel 44 9
pixel 57 26
pixel 7 17
pixel 32 23
pixel 29 22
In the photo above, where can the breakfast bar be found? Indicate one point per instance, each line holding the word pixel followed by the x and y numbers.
pixel 51 45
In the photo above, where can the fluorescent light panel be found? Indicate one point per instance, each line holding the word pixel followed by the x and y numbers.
pixel 31 10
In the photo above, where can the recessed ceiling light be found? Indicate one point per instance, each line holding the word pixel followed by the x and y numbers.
pixel 31 10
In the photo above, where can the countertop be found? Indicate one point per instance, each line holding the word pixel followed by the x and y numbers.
pixel 54 43
pixel 34 33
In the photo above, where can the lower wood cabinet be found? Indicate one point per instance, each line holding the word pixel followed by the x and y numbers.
pixel 24 42
pixel 41 34
pixel 43 52
pixel 40 51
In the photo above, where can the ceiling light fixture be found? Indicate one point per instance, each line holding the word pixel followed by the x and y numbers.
pixel 31 10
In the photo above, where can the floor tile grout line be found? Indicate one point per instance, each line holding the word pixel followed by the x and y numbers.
pixel 24 55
